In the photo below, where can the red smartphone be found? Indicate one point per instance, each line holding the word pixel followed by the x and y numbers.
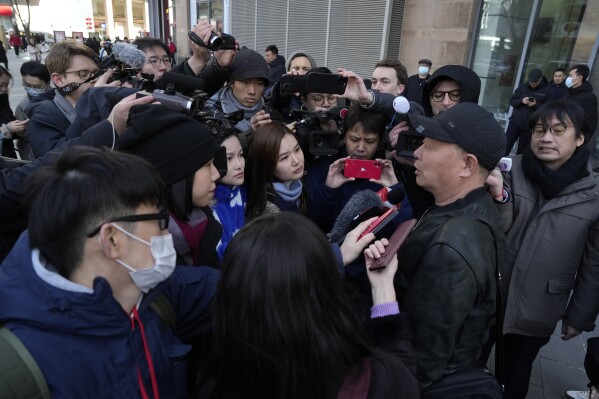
pixel 400 235
pixel 363 169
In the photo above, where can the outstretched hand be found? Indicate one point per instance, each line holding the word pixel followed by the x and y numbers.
pixel 355 89
pixel 120 112
pixel 353 245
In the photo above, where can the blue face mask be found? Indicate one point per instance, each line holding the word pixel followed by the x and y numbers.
pixel 33 91
pixel 422 70
pixel 569 82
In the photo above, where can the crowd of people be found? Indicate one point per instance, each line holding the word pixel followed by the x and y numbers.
pixel 154 253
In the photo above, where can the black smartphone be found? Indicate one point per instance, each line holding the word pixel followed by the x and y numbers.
pixel 316 82
pixel 328 83
pixel 531 99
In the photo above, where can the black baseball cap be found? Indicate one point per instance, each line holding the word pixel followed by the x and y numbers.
pixel 468 125
pixel 534 76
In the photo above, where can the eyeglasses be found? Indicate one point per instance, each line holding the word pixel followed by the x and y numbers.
pixel 454 95
pixel 155 61
pixel 84 73
pixel 162 218
pixel 319 100
pixel 557 130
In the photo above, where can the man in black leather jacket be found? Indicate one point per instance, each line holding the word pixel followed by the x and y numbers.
pixel 446 279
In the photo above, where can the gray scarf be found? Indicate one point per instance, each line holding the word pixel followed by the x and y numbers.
pixel 230 104
pixel 65 107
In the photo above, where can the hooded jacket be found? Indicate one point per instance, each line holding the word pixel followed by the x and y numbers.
pixel 276 69
pixel 466 77
pixel 84 343
pixel 585 97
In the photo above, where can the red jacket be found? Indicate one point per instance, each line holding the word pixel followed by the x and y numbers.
pixel 15 40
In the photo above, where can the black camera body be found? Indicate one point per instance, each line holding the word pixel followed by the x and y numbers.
pixel 407 143
pixel 311 138
pixel 125 74
pixel 215 42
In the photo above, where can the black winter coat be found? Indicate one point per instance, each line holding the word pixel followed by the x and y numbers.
pixel 585 97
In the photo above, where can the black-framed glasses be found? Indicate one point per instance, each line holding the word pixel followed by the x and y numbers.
pixel 83 73
pixel 454 95
pixel 155 61
pixel 319 99
pixel 161 217
pixel 557 130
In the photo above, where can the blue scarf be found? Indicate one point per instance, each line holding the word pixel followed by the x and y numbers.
pixel 229 210
pixel 288 194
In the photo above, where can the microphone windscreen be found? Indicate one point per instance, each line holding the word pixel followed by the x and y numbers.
pixel 128 54
pixel 358 203
pixel 183 83
pixel 401 105
pixel 396 195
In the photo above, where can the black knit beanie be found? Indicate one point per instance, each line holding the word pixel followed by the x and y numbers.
pixel 175 144
pixel 248 64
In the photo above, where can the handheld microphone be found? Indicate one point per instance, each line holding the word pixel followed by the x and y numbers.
pixel 128 54
pixel 394 197
pixel 401 105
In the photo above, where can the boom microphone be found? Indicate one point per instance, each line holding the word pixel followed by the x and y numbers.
pixel 129 54
pixel 360 202
pixel 362 206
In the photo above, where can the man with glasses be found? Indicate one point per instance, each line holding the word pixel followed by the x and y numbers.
pixel 73 70
pixel 91 289
pixel 158 60
pixel 320 102
pixel 549 206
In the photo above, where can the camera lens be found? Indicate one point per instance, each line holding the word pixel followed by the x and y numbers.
pixel 319 142
pixel 215 42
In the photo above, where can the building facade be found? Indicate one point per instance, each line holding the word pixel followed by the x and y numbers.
pixel 501 40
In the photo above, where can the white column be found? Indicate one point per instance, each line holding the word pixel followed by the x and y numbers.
pixel 109 20
pixel 131 33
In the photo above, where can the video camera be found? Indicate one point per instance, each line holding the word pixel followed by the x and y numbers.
pixel 126 60
pixel 216 42
pixel 408 141
pixel 313 140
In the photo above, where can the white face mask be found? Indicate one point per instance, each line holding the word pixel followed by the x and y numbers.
pixel 165 258
pixel 569 82
pixel 422 70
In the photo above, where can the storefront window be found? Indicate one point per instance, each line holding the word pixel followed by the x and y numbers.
pixel 514 37
pixel 497 51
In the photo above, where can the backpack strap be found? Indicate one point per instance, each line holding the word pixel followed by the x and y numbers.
pixel 20 376
pixel 164 309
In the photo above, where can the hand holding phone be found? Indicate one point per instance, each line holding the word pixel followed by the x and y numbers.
pixel 400 235
pixel 363 169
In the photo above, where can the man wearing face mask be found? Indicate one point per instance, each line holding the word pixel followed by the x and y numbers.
pixel 80 287
pixel 73 70
pixel 581 92
pixel 417 82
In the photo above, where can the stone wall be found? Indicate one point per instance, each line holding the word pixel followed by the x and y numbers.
pixel 440 30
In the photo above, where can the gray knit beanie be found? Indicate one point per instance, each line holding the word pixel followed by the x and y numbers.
pixel 248 64
pixel 301 53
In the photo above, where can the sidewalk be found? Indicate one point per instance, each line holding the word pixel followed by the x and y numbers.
pixel 16 93
pixel 558 368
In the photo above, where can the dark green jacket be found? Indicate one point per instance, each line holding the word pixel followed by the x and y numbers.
pixel 446 282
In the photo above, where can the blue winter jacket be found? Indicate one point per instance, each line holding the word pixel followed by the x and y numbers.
pixel 84 343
